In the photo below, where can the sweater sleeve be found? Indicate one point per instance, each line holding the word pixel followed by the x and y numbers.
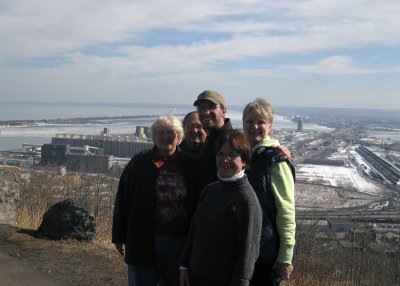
pixel 121 207
pixel 248 232
pixel 187 250
pixel 283 189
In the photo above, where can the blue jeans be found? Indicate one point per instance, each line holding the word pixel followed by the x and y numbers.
pixel 166 271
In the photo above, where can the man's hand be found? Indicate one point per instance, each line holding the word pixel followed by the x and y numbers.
pixel 120 248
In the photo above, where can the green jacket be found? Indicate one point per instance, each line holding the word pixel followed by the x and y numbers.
pixel 282 188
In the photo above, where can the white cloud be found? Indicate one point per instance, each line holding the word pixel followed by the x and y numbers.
pixel 335 65
pixel 97 47
pixel 43 28
pixel 270 73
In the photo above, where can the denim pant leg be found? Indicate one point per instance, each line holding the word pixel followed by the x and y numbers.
pixel 142 275
pixel 169 250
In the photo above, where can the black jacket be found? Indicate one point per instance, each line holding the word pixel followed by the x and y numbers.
pixel 184 148
pixel 134 210
pixel 259 175
pixel 207 166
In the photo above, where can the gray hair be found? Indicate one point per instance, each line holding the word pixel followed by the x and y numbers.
pixel 170 121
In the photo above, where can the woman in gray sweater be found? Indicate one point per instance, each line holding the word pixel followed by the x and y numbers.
pixel 223 241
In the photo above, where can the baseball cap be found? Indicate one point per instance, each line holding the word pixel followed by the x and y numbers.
pixel 210 95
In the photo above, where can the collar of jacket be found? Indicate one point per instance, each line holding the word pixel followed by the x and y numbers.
pixel 227 125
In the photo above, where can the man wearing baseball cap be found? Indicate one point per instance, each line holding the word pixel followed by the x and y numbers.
pixel 211 107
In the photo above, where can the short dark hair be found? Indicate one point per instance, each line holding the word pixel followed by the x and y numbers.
pixel 238 142
pixel 187 116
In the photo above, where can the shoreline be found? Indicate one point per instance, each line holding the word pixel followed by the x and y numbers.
pixel 75 120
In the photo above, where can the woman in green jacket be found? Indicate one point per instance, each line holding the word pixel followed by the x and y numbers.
pixel 273 183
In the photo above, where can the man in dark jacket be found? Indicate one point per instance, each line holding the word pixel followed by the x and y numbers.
pixel 212 110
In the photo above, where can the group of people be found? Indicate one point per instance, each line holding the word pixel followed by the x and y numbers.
pixel 208 204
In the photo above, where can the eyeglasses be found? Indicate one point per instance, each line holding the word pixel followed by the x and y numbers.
pixel 202 107
pixel 230 155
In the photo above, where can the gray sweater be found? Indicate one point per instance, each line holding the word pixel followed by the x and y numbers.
pixel 224 236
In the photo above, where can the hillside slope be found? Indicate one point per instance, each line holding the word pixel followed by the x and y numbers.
pixel 68 262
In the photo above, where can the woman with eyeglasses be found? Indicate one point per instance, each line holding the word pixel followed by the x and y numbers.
pixel 224 236
pixel 273 182
pixel 153 207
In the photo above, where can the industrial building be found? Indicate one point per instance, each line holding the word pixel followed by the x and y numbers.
pixel 118 146
pixel 76 159
pixel 124 149
pixel 93 153
pixel 300 124
pixel 142 132
pixel 54 154
pixel 90 163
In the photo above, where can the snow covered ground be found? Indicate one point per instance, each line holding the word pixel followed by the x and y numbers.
pixel 323 186
pixel 333 187
pixel 341 177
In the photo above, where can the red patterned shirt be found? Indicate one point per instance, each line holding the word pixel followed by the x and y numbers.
pixel 171 217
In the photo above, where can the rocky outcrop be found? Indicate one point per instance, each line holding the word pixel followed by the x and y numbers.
pixel 9 194
pixel 67 220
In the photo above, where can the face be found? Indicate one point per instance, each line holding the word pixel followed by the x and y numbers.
pixel 211 115
pixel 166 140
pixel 256 127
pixel 195 135
pixel 229 162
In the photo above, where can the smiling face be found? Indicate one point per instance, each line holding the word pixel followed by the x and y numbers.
pixel 166 140
pixel 229 161
pixel 211 115
pixel 195 135
pixel 256 127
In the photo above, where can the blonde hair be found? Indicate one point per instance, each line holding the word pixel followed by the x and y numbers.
pixel 170 121
pixel 261 107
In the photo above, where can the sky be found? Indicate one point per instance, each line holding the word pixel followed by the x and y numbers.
pixel 308 53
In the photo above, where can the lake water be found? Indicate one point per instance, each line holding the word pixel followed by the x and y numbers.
pixel 12 137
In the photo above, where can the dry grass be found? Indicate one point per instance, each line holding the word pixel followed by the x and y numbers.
pixel 42 190
pixel 103 232
pixel 319 262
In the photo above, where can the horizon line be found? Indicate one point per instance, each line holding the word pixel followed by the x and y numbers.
pixel 103 103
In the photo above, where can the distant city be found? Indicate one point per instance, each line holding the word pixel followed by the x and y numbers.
pixel 347 164
pixel 373 134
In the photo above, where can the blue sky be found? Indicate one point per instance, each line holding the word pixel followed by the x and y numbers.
pixel 294 53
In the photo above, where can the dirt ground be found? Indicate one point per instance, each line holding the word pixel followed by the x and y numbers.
pixel 69 262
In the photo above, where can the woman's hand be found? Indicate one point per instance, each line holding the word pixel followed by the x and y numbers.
pixel 120 248
pixel 282 152
pixel 184 277
pixel 283 269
